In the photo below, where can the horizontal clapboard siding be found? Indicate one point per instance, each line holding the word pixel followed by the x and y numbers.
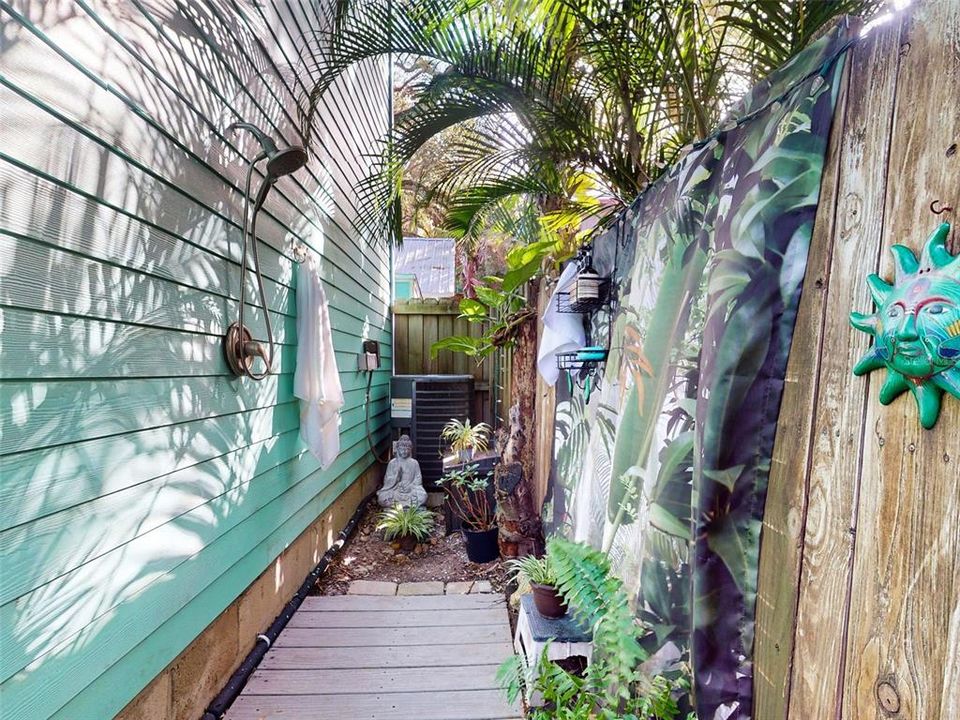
pixel 143 487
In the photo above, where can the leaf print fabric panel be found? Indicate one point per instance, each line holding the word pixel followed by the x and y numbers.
pixel 666 465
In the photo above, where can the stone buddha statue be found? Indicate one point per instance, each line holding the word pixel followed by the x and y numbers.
pixel 403 483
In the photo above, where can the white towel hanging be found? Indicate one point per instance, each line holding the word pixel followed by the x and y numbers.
pixel 316 380
pixel 562 332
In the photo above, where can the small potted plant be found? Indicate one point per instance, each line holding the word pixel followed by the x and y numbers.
pixel 538 572
pixel 465 438
pixel 467 498
pixel 407 525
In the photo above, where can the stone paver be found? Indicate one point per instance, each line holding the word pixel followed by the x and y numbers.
pixel 372 587
pixel 481 586
pixel 459 588
pixel 429 587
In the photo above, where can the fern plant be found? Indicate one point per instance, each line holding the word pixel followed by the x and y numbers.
pixel 406 522
pixel 614 684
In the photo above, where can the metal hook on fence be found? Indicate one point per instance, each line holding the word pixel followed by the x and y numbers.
pixel 943 209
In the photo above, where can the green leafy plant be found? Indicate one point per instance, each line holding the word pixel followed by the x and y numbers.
pixel 532 569
pixel 614 684
pixel 574 106
pixel 467 496
pixel 464 436
pixel 406 522
pixel 500 303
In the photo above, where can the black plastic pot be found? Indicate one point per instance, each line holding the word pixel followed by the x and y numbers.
pixel 482 546
pixel 548 601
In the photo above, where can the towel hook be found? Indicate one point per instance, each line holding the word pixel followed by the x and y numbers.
pixel 299 251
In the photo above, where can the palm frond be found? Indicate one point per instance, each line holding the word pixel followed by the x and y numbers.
pixel 612 88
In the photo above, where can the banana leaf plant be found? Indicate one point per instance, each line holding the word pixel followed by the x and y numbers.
pixel 500 303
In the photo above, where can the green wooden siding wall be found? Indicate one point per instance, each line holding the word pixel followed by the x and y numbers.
pixel 143 487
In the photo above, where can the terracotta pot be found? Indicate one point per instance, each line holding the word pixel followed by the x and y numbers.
pixel 549 602
pixel 482 546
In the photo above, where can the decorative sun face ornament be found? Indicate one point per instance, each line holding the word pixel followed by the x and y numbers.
pixel 916 327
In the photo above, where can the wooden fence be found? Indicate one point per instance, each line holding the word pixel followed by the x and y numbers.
pixel 417 324
pixel 858 614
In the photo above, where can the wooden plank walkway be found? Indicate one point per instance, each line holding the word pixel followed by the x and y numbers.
pixel 368 657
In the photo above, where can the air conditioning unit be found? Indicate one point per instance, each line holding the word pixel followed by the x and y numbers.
pixel 420 405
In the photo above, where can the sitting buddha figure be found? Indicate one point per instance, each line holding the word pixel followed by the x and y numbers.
pixel 403 483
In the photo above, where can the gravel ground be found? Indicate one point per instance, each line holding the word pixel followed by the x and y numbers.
pixel 367 556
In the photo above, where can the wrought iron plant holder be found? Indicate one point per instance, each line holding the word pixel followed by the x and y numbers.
pixel 916 326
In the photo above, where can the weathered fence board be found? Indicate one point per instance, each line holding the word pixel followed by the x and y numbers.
pixel 859 601
pixel 906 570
pixel 838 416
pixel 418 324
pixel 783 520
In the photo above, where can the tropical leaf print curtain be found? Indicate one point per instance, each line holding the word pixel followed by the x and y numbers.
pixel 666 464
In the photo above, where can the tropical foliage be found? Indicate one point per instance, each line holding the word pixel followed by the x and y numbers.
pixel 464 436
pixel 499 303
pixel 467 495
pixel 554 111
pixel 615 684
pixel 533 569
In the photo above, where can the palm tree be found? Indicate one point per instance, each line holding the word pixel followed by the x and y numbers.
pixel 564 108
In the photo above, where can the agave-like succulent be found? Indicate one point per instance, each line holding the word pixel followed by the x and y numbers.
pixel 399 522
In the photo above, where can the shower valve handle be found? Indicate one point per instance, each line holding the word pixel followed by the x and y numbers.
pixel 252 348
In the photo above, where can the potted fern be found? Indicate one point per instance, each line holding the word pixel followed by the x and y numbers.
pixel 465 439
pixel 539 574
pixel 467 498
pixel 617 682
pixel 407 525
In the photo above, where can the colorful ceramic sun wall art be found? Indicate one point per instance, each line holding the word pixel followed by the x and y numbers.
pixel 916 327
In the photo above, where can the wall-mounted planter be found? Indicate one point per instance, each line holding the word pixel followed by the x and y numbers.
pixel 916 326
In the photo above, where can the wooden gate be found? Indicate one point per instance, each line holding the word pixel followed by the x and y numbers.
pixel 417 324
pixel 859 605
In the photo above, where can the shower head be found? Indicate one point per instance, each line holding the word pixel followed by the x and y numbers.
pixel 240 347
pixel 286 161
pixel 266 142
pixel 279 162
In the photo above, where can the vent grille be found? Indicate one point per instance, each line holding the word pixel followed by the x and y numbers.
pixel 435 401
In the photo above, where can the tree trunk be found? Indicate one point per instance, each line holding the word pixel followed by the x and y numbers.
pixel 521 532
pixel 525 382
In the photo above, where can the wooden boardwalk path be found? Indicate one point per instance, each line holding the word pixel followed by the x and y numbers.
pixel 368 657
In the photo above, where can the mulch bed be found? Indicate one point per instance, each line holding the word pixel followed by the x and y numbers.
pixel 367 556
